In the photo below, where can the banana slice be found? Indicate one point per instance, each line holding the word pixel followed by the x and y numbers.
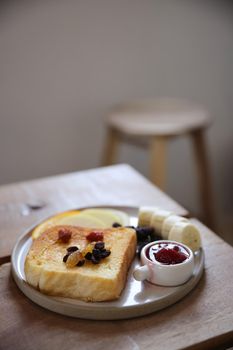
pixel 169 222
pixel 186 233
pixel 158 218
pixel 144 215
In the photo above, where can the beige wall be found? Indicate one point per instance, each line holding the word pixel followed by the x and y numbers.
pixel 64 63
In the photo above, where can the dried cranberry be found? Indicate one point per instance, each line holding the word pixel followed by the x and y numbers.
pixel 64 235
pixel 95 236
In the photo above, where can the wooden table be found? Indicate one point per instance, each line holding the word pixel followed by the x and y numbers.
pixel 202 320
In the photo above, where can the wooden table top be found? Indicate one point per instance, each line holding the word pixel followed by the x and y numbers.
pixel 202 320
pixel 116 185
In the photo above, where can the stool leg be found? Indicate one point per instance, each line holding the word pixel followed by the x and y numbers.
pixel 158 153
pixel 204 178
pixel 110 147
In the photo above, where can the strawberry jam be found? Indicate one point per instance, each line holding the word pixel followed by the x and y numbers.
pixel 167 253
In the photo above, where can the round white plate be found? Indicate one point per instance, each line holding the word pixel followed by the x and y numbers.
pixel 137 299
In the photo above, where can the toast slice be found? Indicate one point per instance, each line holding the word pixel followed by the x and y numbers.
pixel 46 271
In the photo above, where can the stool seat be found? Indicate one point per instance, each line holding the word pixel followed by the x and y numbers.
pixel 154 122
pixel 164 116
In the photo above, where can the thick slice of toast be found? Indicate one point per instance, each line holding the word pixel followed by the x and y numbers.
pixel 46 271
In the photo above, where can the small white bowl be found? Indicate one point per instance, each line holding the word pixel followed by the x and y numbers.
pixel 162 274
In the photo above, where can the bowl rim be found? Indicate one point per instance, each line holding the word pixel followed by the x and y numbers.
pixel 189 259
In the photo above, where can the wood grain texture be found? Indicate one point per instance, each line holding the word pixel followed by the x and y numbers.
pixel 115 185
pixel 110 148
pixel 202 320
pixel 158 160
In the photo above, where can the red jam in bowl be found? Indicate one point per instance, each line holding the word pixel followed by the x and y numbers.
pixel 167 253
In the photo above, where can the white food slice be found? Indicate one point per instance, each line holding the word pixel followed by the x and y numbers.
pixel 108 216
pixel 168 224
pixel 123 217
pixel 144 215
pixel 158 218
pixel 186 233
pixel 83 220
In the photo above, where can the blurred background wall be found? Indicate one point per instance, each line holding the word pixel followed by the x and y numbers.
pixel 64 63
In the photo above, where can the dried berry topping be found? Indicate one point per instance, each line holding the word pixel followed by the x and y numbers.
pixel 88 248
pixel 93 252
pixel 99 245
pixel 95 260
pixel 72 249
pixel 105 253
pixel 142 244
pixel 65 258
pixel 95 236
pixel 144 232
pixel 96 253
pixel 64 235
pixel 88 256
pixel 116 224
pixel 74 258
pixel 81 263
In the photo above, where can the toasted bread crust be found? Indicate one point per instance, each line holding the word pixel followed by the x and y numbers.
pixel 45 270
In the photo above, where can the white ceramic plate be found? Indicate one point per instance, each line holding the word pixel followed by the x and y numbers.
pixel 137 299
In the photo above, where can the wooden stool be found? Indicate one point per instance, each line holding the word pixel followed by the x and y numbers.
pixel 154 122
